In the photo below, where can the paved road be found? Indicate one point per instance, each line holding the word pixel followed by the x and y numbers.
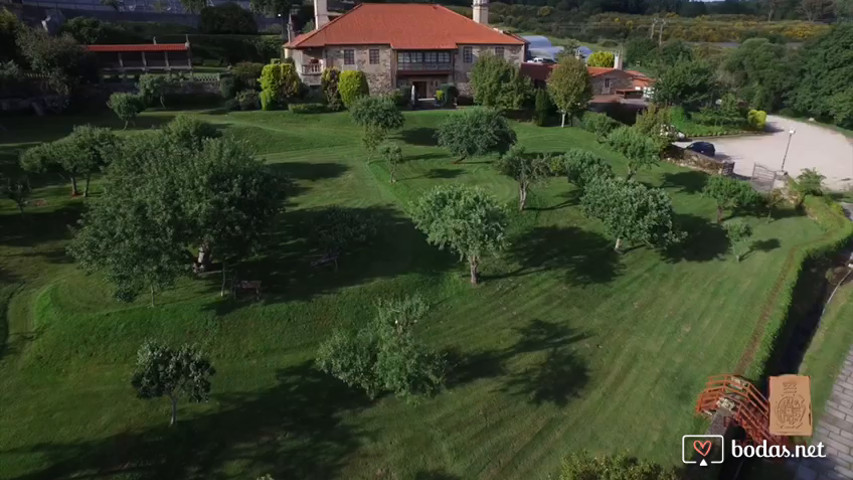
pixel 812 146
pixel 835 430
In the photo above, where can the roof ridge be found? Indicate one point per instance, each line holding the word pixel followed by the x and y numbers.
pixel 317 30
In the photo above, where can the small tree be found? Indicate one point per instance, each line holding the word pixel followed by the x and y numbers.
pixel 329 82
pixel 656 123
pixel 600 124
pixel 809 182
pixel 464 219
pixel 526 169
pixel 337 231
pixel 352 84
pixel 475 131
pixel 640 150
pixel 189 132
pixel 631 212
pixel 154 87
pixel 16 190
pixel 688 83
pixel 728 193
pixel 393 154
pixel 499 84
pixel 570 87
pixel 738 233
pixel 126 106
pixel 165 372
pixel 601 59
pixel 584 167
pixel 543 107
pixel 86 151
pixel 377 116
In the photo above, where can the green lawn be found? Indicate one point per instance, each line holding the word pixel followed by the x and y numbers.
pixel 565 346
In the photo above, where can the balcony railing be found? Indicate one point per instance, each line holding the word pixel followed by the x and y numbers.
pixel 312 69
pixel 425 67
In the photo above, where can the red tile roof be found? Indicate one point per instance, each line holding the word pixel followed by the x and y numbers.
pixel 403 26
pixel 148 47
pixel 541 71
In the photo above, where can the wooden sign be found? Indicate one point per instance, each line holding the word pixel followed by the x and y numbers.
pixel 790 405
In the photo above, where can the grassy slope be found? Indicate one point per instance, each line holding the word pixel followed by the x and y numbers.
pixel 565 346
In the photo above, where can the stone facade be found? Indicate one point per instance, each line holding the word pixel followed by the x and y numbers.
pixel 608 83
pixel 384 76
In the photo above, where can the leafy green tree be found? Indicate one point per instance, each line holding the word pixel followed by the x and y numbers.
pixel 85 30
pixel 631 212
pixel 570 87
pixel 475 131
pixel 352 84
pixel 466 220
pixel 656 123
pixel 640 150
pixel 227 18
pixel 728 193
pixel 499 84
pixel 61 59
pixel 690 84
pixel 329 82
pixel 581 466
pixel 525 169
pixel 738 232
pixel 672 53
pixel 601 59
pixel 385 356
pixel 126 106
pixel 272 8
pixel 826 64
pixel 600 124
pixel 9 28
pixel 337 231
pixel 17 190
pixel 162 371
pixel 189 131
pixel 760 72
pixel 279 83
pixel 809 182
pixel 640 52
pixel 154 87
pixel 393 154
pixel 193 6
pixel 377 116
pixel 584 167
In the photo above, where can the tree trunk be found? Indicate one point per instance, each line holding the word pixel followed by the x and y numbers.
pixel 152 296
pixel 222 287
pixel 174 401
pixel 125 125
pixel 631 173
pixel 21 208
pixel 719 215
pixel 563 120
pixel 475 274
pixel 618 245
pixel 204 254
pixel 86 189
pixel 459 160
pixel 522 197
pixel 74 190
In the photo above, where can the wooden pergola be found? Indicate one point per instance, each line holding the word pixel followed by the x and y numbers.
pixel 155 57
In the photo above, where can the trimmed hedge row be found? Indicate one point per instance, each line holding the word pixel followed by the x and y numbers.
pixel 779 326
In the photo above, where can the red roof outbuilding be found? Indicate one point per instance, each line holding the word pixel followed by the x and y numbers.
pixel 404 26
pixel 148 47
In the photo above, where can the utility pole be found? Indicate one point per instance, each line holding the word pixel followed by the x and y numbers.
pixel 791 133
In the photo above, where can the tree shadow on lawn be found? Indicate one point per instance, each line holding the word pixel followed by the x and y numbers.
pixel 423 136
pixel 308 171
pixel 705 240
pixel 556 375
pixel 689 182
pixel 36 227
pixel 292 430
pixel 585 257
pixel 286 271
pixel 444 173
pixel 572 197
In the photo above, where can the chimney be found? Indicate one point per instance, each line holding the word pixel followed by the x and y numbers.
pixel 321 13
pixel 481 11
pixel 617 60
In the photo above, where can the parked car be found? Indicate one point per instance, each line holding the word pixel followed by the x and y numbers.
pixel 704 148
pixel 544 60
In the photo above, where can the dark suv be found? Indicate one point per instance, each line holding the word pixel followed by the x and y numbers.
pixel 704 148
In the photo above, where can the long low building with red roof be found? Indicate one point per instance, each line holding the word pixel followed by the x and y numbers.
pixel 144 57
pixel 401 45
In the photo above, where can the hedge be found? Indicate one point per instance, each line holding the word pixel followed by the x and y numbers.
pixel 781 320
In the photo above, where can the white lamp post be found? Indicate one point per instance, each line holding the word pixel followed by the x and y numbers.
pixel 791 133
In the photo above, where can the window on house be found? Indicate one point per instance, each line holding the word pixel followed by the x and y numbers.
pixel 349 57
pixel 467 55
pixel 499 51
pixel 444 57
pixel 417 57
pixel 374 56
pixel 606 83
pixel 430 57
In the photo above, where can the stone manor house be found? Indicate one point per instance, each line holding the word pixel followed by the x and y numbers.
pixel 400 45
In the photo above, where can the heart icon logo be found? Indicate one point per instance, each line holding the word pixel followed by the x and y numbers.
pixel 702 448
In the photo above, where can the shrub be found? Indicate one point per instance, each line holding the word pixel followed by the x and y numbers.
pixel 248 100
pixel 329 82
pixel 449 93
pixel 376 111
pixel 352 84
pixel 810 182
pixel 307 108
pixel 499 84
pixel 476 131
pixel 599 124
pixel 155 87
pixel 543 108
pixel 583 167
pixel 126 106
pixel 279 83
pixel 247 74
pixel 189 131
pixel 601 59
pixel 227 18
pixel 757 119
pixel 268 100
pixel 227 86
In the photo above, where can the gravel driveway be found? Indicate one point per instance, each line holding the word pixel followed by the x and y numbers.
pixel 812 146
